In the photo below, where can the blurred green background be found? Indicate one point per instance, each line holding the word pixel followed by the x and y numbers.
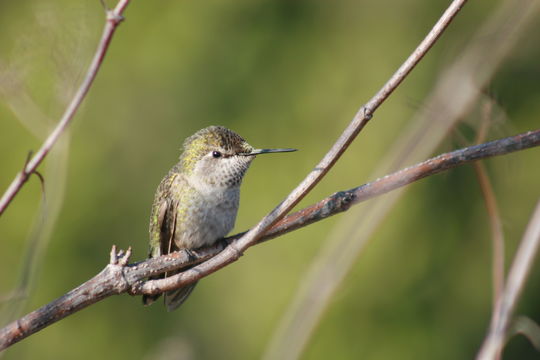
pixel 282 74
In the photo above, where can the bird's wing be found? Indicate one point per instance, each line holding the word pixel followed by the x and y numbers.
pixel 164 215
pixel 168 229
pixel 162 227
pixel 159 214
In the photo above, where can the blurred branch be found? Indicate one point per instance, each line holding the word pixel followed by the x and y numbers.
pixel 495 223
pixel 519 271
pixel 114 18
pixel 120 277
pixel 497 234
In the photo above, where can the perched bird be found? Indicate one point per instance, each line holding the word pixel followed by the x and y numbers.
pixel 196 203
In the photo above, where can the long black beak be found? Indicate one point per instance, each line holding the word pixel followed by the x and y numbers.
pixel 267 151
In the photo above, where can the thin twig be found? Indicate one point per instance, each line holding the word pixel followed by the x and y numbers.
pixel 117 278
pixel 519 271
pixel 232 253
pixel 114 18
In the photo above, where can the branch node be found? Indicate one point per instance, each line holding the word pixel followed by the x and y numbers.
pixel 344 199
pixel 368 113
pixel 28 158
pixel 235 250
pixel 27 174
pixel 113 17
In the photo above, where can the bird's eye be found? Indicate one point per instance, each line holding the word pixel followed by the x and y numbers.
pixel 216 154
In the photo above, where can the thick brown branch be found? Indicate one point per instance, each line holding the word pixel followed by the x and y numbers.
pixel 119 278
pixel 92 291
pixel 114 18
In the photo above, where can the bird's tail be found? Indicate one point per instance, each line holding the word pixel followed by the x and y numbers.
pixel 175 298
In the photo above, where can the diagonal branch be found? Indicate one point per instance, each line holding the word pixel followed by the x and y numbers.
pixel 114 18
pixel 119 277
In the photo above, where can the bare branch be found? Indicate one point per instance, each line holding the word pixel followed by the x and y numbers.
pixel 114 18
pixel 117 277
pixel 503 312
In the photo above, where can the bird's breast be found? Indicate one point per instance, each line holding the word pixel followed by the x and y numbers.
pixel 205 216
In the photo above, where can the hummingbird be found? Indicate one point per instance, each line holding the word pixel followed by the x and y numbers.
pixel 196 204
